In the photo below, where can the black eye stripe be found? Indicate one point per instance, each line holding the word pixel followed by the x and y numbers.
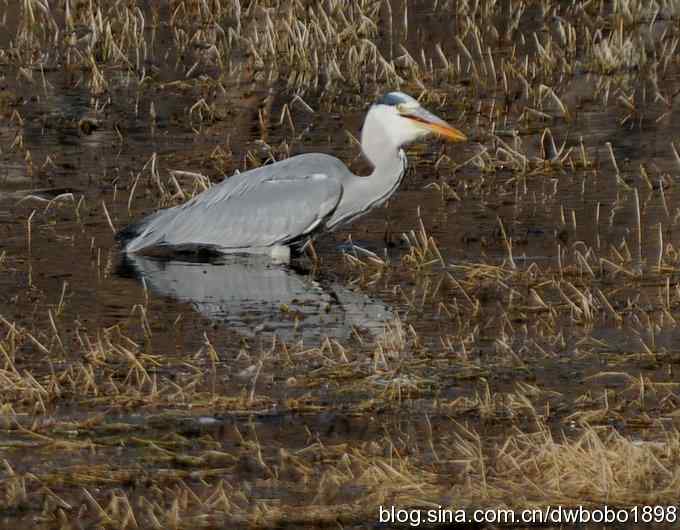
pixel 393 99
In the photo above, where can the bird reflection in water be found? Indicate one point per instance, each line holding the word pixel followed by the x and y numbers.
pixel 255 296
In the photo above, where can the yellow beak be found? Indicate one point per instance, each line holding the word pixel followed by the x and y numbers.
pixel 446 131
pixel 432 123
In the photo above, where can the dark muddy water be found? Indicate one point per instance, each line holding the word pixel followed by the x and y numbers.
pixel 88 152
pixel 73 243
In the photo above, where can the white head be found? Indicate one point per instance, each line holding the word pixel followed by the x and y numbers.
pixel 397 119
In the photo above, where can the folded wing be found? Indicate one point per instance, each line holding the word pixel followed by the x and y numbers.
pixel 280 204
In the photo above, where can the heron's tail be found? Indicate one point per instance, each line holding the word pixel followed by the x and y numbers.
pixel 138 235
pixel 130 232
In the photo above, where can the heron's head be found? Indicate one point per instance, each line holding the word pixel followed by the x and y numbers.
pixel 400 118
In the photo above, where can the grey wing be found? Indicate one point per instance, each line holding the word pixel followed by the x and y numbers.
pixel 272 205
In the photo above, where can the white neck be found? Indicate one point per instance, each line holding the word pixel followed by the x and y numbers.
pixel 360 194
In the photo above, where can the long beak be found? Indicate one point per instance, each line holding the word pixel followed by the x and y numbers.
pixel 432 123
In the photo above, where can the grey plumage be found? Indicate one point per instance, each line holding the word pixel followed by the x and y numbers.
pixel 251 210
pixel 287 203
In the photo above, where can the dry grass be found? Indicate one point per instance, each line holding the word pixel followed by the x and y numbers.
pixel 515 375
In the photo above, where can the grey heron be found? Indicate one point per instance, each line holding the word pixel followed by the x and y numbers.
pixel 280 206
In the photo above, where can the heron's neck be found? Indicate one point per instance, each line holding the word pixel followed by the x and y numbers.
pixel 382 147
pixel 360 194
pixel 389 167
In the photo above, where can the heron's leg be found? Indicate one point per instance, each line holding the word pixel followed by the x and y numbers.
pixel 387 238
pixel 365 251
pixel 355 250
pixel 309 247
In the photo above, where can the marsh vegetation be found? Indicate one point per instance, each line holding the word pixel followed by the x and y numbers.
pixel 511 341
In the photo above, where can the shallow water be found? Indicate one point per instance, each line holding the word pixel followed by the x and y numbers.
pixel 242 320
